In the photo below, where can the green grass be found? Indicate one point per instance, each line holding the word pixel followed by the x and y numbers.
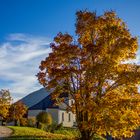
pixel 74 133
pixel 34 133
pixel 69 132
pixel 28 133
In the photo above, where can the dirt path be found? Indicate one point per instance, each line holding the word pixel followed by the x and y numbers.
pixel 4 132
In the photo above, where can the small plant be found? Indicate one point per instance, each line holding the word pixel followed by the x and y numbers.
pixel 59 126
pixel 52 127
pixel 32 122
pixel 44 119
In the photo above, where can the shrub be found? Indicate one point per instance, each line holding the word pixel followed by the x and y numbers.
pixel 44 119
pixel 52 127
pixel 59 126
pixel 42 126
pixel 32 122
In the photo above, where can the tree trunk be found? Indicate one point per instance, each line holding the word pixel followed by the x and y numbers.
pixel 37 124
pixel 109 137
pixel 86 135
pixel 16 122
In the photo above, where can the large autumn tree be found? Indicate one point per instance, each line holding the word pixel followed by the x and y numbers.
pixel 95 71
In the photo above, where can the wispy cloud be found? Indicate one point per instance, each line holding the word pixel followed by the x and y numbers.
pixel 20 56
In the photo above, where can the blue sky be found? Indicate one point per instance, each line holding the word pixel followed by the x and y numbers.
pixel 28 26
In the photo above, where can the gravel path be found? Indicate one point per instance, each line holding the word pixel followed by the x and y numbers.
pixel 4 132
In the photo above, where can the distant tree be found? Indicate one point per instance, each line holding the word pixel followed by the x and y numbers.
pixel 5 101
pixel 96 73
pixel 17 112
pixel 23 122
pixel 44 118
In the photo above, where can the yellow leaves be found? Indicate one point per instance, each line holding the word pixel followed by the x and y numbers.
pixel 17 110
pixel 77 96
pixel 5 101
pixel 118 113
pixel 63 38
pixel 93 73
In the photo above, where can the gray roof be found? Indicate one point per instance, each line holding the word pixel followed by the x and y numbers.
pixel 47 102
pixel 35 97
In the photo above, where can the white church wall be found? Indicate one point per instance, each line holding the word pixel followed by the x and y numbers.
pixel 66 118
pixel 54 114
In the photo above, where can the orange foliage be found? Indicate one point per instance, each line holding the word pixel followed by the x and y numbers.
pixel 92 72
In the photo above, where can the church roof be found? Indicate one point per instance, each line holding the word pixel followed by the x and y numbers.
pixel 35 97
pixel 47 102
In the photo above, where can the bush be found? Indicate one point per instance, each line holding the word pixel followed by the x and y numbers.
pixel 52 127
pixel 59 126
pixel 42 126
pixel 44 119
pixel 32 122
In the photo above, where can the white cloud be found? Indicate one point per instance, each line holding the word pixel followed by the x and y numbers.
pixel 20 57
pixel 136 60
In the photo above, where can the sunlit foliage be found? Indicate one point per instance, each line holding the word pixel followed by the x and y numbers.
pixel 17 111
pixel 5 101
pixel 93 71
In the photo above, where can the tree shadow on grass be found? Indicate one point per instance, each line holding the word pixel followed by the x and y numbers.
pixel 33 138
pixel 27 138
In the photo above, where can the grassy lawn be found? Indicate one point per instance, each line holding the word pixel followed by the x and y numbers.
pixel 34 133
pixel 72 133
